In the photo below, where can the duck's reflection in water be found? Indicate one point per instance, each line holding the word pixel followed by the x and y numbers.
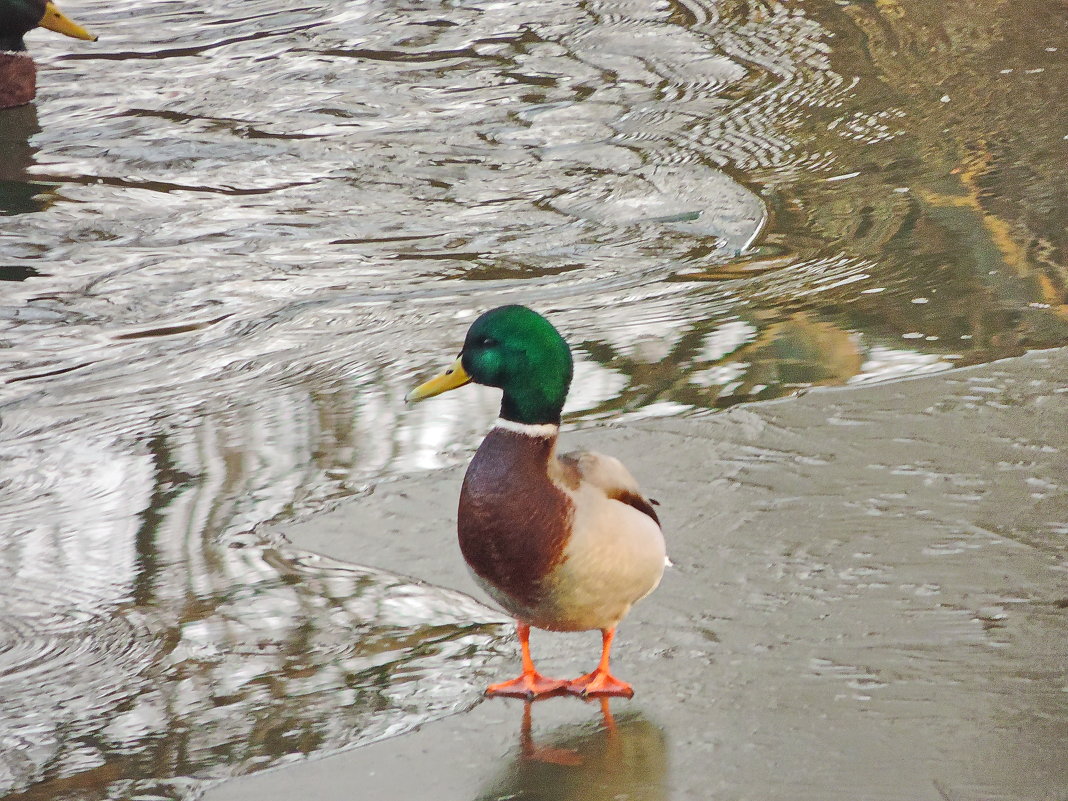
pixel 18 193
pixel 612 758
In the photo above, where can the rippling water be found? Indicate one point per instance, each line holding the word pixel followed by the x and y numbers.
pixel 262 658
pixel 235 234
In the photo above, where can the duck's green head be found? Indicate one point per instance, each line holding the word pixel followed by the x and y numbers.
pixel 19 17
pixel 519 351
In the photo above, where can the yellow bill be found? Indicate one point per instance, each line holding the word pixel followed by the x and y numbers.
pixel 56 20
pixel 455 376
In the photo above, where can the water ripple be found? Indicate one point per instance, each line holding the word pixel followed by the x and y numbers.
pixel 239 233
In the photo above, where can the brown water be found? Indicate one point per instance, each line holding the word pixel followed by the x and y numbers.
pixel 235 234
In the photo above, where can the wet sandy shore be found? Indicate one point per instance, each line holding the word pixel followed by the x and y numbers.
pixel 869 601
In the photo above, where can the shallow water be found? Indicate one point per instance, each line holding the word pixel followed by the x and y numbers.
pixel 233 236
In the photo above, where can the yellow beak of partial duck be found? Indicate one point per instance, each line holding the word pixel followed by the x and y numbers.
pixel 455 376
pixel 56 20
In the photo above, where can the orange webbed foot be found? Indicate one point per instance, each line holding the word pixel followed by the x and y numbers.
pixel 528 685
pixel 600 683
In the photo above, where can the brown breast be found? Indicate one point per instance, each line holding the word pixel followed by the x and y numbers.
pixel 513 522
pixel 18 79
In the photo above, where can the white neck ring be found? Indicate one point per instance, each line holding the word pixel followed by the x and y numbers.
pixel 528 429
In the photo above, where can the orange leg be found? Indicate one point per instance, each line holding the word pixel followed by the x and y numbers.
pixel 601 682
pixel 530 683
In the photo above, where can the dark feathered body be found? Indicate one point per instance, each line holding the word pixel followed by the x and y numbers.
pixel 565 543
pixel 514 522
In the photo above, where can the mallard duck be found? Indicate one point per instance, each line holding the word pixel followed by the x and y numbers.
pixel 18 75
pixel 562 542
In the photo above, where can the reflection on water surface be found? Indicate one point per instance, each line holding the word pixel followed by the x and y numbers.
pixel 612 759
pixel 262 658
pixel 233 238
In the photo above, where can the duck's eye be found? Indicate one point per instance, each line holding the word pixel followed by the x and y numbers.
pixel 487 342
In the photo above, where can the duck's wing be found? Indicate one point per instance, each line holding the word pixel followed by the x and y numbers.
pixel 607 474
